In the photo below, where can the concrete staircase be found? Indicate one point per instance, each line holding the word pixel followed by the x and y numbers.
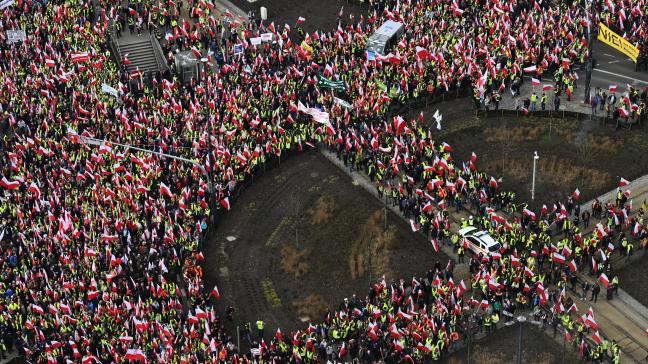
pixel 141 51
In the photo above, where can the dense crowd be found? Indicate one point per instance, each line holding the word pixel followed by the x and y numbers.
pixel 99 242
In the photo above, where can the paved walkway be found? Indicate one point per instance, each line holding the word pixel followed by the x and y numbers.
pixel 622 319
pixel 576 105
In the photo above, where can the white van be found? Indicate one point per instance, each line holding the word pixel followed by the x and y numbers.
pixel 385 37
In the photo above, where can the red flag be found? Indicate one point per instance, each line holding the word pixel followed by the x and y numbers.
pixel 576 194
pixel 135 354
pixel 165 191
pixel 435 244
pixel 568 335
pixel 558 258
pixel 225 203
pixel 414 226
pixel 9 185
pixel 623 182
pixel 597 338
pixel 604 279
pixel 214 292
pixel 79 57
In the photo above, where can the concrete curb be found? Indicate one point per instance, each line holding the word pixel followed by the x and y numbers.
pixel 635 305
pixel 611 195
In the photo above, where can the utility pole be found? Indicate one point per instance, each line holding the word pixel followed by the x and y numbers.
pixel 95 141
pixel 521 320
pixel 535 159
pixel 588 77
pixel 210 147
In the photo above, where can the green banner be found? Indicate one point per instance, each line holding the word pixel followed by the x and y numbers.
pixel 325 82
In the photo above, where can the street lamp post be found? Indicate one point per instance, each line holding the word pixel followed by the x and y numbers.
pixel 210 147
pixel 521 320
pixel 535 159
pixel 588 76
pixel 95 141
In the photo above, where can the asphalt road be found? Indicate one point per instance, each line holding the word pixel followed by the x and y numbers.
pixel 615 68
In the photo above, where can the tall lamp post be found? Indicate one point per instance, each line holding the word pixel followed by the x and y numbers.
pixel 535 159
pixel 588 76
pixel 95 141
pixel 210 147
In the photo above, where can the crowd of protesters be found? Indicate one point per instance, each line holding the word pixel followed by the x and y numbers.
pixel 101 254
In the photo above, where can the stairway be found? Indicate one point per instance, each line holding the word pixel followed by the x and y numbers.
pixel 141 51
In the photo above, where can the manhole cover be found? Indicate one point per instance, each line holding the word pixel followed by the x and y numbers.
pixel 224 272
pixel 314 175
pixel 230 238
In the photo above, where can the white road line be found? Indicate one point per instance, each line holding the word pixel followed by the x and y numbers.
pixel 622 76
pixel 609 55
pixel 614 61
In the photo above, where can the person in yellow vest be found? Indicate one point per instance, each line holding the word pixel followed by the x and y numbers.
pixel 260 325
pixel 534 101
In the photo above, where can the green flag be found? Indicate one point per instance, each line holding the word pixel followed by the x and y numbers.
pixel 325 82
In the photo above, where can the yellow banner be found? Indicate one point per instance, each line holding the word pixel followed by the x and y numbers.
pixel 617 42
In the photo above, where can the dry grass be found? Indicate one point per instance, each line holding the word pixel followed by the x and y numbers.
pixel 483 355
pixel 513 134
pixel 310 307
pixel 371 249
pixel 559 171
pixel 323 209
pixel 295 262
pixel 604 143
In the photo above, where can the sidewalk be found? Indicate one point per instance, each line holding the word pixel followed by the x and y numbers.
pixel 576 105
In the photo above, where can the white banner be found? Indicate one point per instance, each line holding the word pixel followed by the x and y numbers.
pixel 5 4
pixel 255 41
pixel 319 116
pixel 14 36
pixel 343 103
pixel 109 90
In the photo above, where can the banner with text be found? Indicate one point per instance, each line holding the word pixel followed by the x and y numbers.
pixel 617 42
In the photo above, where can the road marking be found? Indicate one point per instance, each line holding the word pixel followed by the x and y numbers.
pixel 614 61
pixel 609 55
pixel 622 76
